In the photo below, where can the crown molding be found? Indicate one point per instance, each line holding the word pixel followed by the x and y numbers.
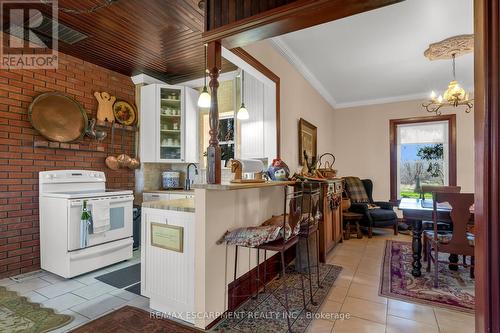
pixel 280 46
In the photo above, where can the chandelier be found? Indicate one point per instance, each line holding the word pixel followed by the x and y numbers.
pixel 455 95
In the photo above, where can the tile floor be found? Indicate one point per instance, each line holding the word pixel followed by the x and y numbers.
pixel 355 292
pixel 84 297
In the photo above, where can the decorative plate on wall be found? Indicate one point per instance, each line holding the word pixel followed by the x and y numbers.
pixel 58 117
pixel 125 113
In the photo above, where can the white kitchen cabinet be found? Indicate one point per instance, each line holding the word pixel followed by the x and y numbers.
pixel 169 122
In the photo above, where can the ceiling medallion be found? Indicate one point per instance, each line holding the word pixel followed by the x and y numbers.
pixel 445 49
pixel 455 95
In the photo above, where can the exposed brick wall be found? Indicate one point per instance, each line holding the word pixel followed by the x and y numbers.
pixel 20 161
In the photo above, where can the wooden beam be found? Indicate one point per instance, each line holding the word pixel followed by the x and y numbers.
pixel 487 161
pixel 214 151
pixel 295 16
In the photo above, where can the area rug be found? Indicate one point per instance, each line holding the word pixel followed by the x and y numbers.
pixel 455 291
pixel 122 277
pixel 266 314
pixel 18 315
pixel 133 320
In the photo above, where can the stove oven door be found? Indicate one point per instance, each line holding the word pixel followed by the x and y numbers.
pixel 120 224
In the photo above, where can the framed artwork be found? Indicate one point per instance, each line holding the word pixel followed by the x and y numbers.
pixel 308 140
pixel 168 237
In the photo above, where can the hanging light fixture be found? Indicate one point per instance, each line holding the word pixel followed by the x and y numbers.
pixel 243 112
pixel 455 95
pixel 204 99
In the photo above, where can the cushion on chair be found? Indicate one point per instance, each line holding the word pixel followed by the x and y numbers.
pixel 443 237
pixel 251 236
pixel 441 226
pixel 379 214
pixel 277 221
pixel 355 189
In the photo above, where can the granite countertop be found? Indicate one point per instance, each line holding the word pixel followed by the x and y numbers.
pixel 240 186
pixel 181 205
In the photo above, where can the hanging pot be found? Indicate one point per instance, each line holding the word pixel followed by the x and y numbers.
pixel 123 159
pixel 111 161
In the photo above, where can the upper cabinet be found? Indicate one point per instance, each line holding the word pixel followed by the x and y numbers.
pixel 169 122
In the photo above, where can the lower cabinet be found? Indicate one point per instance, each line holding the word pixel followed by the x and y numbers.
pixel 330 226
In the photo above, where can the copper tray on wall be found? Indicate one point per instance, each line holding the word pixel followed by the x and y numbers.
pixel 58 117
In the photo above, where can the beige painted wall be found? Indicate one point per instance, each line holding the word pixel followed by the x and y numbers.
pixel 361 136
pixel 298 99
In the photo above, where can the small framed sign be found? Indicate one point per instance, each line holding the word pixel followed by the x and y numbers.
pixel 169 237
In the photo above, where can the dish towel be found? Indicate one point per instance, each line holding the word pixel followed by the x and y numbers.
pixel 100 216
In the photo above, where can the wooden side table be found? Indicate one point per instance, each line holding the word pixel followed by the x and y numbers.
pixel 351 224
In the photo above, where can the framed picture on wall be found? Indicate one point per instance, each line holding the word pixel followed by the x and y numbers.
pixel 308 140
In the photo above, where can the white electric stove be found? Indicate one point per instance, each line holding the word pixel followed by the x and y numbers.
pixel 62 194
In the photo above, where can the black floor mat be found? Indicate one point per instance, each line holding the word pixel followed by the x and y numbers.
pixel 123 277
pixel 136 288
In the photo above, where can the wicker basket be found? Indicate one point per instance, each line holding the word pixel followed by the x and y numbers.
pixel 325 167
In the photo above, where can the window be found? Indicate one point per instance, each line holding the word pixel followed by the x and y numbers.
pixel 423 152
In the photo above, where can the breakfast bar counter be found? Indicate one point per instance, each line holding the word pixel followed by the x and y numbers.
pixel 181 205
pixel 241 186
pixel 185 272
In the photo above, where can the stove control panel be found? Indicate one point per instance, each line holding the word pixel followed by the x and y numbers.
pixel 71 176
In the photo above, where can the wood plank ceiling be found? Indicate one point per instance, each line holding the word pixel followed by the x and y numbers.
pixel 158 37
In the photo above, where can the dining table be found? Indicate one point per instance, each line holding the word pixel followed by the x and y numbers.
pixel 414 212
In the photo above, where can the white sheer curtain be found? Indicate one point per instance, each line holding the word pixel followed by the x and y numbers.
pixel 422 134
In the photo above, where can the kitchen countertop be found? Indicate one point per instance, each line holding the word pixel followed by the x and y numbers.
pixel 240 186
pixel 170 191
pixel 181 205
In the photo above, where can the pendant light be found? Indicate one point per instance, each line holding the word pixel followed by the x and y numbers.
pixel 204 99
pixel 243 112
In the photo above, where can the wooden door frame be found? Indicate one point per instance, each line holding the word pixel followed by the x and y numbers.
pixel 487 162
pixel 452 141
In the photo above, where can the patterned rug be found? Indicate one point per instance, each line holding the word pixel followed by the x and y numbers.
pixel 18 315
pixel 456 288
pixel 267 315
pixel 133 320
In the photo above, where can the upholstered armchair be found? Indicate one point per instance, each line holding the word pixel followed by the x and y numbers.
pixel 362 203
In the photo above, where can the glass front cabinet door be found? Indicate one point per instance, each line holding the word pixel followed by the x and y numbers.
pixel 168 124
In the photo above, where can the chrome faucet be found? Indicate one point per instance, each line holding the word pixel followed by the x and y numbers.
pixel 187 185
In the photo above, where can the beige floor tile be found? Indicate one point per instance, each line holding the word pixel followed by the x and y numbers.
pixel 330 309
pixel 320 326
pixel 363 291
pixel 370 267
pixel 337 294
pixel 357 325
pixel 453 321
pixel 345 260
pixel 420 313
pixel 367 279
pixel 365 309
pixel 402 325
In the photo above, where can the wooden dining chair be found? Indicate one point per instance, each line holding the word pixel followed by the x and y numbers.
pixel 428 225
pixel 459 241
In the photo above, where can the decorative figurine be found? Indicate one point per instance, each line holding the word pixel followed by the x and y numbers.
pixel 278 170
pixel 237 169
pixel 105 108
